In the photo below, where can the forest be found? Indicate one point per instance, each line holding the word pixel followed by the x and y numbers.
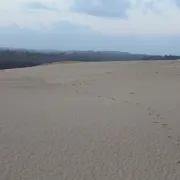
pixel 13 58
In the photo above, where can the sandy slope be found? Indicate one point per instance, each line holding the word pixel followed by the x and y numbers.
pixel 87 121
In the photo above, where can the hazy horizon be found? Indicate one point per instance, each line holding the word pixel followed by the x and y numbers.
pixel 77 50
pixel 135 26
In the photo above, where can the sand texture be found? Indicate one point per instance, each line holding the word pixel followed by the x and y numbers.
pixel 91 121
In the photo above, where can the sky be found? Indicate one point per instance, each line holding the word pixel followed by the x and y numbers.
pixel 136 26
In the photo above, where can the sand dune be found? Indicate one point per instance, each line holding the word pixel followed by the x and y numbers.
pixel 87 121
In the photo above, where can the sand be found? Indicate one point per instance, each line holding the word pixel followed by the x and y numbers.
pixel 91 121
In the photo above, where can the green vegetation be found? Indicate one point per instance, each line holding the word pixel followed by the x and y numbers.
pixel 22 58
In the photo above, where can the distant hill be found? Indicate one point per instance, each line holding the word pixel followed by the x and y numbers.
pixel 18 58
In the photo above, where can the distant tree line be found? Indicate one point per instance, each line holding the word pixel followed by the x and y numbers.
pixel 22 58
pixel 170 57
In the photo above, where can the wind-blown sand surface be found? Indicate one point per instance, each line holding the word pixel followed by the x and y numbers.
pixel 87 121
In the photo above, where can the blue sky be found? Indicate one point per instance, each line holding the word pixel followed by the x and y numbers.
pixel 137 26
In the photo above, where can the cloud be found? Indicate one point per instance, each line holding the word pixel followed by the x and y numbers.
pixel 102 8
pixel 149 26
pixel 177 2
pixel 60 37
pixel 37 5
pixel 115 17
pixel 68 36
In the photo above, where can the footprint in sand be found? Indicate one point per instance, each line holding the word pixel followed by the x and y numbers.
pixel 125 101
pixel 156 122
pixel 81 92
pixel 164 125
pixel 178 162
pixel 108 72
pixel 113 98
pixel 158 115
pixel 77 82
pixel 178 141
pixel 151 113
pixel 131 93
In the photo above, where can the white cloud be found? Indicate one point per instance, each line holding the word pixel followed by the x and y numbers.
pixel 152 17
pixel 102 8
